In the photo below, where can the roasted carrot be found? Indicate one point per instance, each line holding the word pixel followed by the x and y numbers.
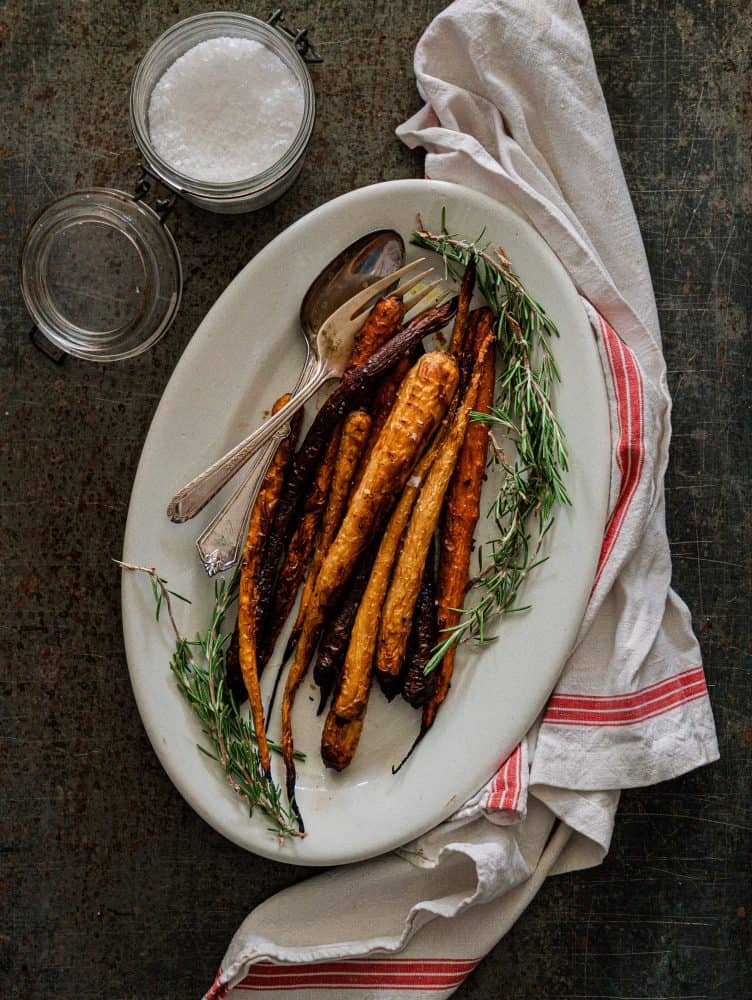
pixel 382 405
pixel 336 636
pixel 351 698
pixel 397 615
pixel 459 330
pixel 467 358
pixel 355 388
pixel 421 403
pixel 415 685
pixel 233 673
pixel 354 434
pixel 421 636
pixel 298 554
pixel 461 512
pixel 258 528
pixel 383 402
pixel 383 322
pixel 339 740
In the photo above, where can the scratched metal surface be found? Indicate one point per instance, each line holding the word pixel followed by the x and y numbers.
pixel 110 884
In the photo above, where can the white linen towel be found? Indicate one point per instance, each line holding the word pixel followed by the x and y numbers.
pixel 513 108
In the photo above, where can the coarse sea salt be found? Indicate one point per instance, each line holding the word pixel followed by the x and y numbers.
pixel 226 110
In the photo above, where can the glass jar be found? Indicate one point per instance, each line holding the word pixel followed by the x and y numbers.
pixel 101 275
pixel 237 196
pixel 100 272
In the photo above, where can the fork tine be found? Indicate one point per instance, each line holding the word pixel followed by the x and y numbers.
pixel 357 302
pixel 412 281
pixel 357 321
pixel 420 294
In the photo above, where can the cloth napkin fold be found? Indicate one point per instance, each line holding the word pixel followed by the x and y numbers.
pixel 513 108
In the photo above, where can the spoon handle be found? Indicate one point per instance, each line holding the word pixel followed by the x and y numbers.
pixel 194 496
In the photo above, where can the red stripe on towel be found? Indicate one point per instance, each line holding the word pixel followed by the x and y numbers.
pixel 380 973
pixel 627 709
pixel 630 450
pixel 506 787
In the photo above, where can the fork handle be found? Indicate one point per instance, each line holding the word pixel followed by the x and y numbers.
pixel 194 496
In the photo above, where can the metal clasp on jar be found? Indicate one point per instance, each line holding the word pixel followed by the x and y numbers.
pixel 298 37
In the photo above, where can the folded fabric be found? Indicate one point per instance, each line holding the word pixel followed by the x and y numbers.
pixel 513 108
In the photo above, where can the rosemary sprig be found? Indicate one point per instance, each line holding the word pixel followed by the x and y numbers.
pixel 532 486
pixel 199 669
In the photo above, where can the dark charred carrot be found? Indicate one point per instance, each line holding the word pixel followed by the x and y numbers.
pixel 298 554
pixel 467 358
pixel 336 635
pixel 459 330
pixel 416 686
pixel 248 594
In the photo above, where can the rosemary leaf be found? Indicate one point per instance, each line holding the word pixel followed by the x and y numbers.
pixel 201 681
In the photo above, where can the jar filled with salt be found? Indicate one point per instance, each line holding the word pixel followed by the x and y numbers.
pixel 222 108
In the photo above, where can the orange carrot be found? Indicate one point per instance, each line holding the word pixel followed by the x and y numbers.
pixel 459 330
pixel 350 446
pixel 461 512
pixel 248 595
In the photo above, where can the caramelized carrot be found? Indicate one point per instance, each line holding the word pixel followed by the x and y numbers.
pixel 415 684
pixel 461 513
pixel 298 553
pixel 248 594
pixel 355 432
pixel 460 328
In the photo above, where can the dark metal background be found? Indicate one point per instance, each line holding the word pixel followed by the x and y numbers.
pixel 111 885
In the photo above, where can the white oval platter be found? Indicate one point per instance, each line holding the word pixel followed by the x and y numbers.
pixel 245 353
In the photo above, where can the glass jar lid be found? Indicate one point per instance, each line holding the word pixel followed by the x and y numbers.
pixel 101 274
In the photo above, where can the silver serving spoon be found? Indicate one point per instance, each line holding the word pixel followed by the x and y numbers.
pixel 371 257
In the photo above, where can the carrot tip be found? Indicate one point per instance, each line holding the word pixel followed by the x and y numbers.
pixel 326 690
pixel 297 814
pixel 290 647
pixel 390 685
pixel 408 755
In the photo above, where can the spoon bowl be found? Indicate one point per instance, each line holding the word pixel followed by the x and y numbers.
pixel 366 260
